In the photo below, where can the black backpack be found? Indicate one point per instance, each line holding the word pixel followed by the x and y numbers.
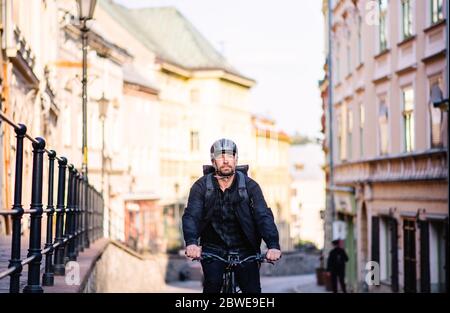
pixel 241 170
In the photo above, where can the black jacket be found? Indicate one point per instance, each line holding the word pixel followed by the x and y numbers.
pixel 257 226
pixel 336 260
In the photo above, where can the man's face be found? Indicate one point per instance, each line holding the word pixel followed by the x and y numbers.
pixel 225 163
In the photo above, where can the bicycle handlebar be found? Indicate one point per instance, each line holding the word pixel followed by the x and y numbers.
pixel 258 257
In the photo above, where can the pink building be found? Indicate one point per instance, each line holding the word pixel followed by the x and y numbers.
pixel 389 143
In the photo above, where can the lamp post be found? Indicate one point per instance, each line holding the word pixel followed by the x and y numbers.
pixel 103 103
pixel 85 12
pixel 103 110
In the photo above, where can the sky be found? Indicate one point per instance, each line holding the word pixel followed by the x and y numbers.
pixel 277 43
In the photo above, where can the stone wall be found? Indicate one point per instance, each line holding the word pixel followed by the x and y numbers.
pixel 292 263
pixel 120 269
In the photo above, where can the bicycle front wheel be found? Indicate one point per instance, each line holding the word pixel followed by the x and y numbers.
pixel 227 286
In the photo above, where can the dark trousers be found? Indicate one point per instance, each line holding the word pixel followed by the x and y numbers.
pixel 246 274
pixel 335 276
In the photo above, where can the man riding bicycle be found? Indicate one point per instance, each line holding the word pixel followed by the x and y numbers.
pixel 225 222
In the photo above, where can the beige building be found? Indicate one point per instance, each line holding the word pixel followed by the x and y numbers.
pixel 195 86
pixel 269 166
pixel 389 141
pixel 28 86
pixel 308 188
pixel 169 95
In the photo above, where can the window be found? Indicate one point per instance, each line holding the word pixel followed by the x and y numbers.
pixel 195 95
pixel 383 33
pixel 437 256
pixel 385 250
pixel 349 133
pixel 359 39
pixel 342 132
pixel 408 119
pixel 436 116
pixel 195 145
pixel 361 129
pixel 339 134
pixel 437 14
pixel 406 19
pixel 383 128
pixel 338 64
pixel 349 53
pixel 67 129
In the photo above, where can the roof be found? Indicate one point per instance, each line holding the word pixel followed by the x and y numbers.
pixel 165 31
pixel 132 76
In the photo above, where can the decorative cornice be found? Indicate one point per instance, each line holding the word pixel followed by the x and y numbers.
pixel 422 166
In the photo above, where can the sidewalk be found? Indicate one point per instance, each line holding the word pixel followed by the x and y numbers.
pixel 86 260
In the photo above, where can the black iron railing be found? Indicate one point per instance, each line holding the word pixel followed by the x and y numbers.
pixel 79 216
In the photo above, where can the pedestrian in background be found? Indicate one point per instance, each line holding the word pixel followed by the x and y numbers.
pixel 336 265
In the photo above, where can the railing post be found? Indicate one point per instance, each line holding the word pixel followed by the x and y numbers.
pixel 69 213
pixel 88 218
pixel 94 217
pixel 102 216
pixel 83 208
pixel 76 214
pixel 87 209
pixel 47 277
pixel 80 208
pixel 14 283
pixel 72 256
pixel 33 285
pixel 59 268
pixel 98 215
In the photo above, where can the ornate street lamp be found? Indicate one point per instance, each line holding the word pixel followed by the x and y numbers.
pixel 85 13
pixel 103 104
pixel 103 110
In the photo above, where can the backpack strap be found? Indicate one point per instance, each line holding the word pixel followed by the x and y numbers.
pixel 242 186
pixel 209 188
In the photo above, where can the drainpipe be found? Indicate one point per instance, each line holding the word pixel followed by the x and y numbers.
pixel 330 119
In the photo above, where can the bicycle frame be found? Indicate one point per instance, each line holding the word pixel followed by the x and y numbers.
pixel 233 260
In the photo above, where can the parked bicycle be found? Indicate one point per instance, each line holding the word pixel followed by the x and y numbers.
pixel 232 260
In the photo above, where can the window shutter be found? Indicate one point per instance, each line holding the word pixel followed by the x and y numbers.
pixel 376 239
pixel 424 256
pixel 446 254
pixel 394 254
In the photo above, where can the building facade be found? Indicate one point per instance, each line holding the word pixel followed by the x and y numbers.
pixel 308 188
pixel 158 97
pixel 269 166
pixel 28 87
pixel 389 142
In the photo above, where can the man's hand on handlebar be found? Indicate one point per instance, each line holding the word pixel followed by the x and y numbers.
pixel 273 255
pixel 193 251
